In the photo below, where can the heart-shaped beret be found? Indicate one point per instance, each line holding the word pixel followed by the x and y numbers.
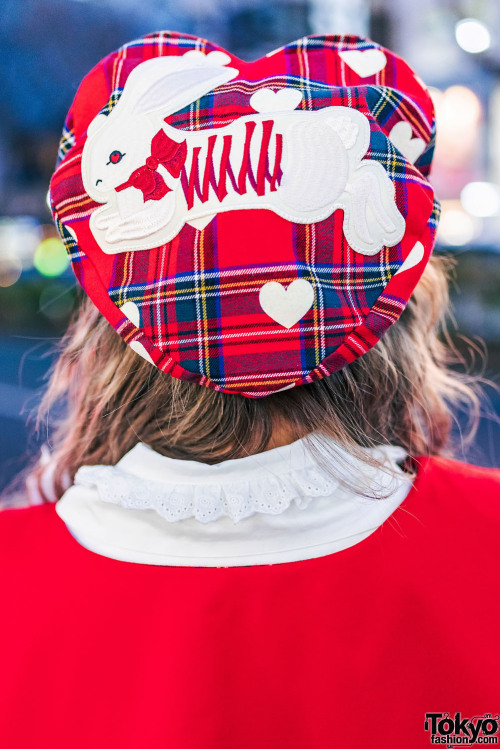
pixel 250 226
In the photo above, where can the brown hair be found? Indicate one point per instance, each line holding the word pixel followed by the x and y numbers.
pixel 402 392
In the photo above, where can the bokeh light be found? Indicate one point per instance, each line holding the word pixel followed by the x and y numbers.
pixel 472 35
pixel 481 199
pixel 459 140
pixel 19 238
pixel 10 269
pixel 458 116
pixel 456 227
pixel 50 257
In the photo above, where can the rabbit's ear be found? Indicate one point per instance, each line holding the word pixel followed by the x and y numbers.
pixel 174 88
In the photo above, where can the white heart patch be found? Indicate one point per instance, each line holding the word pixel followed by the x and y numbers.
pixel 364 62
pixel 413 258
pixel 139 349
pixel 402 137
pixel 266 100
pixel 213 58
pixel 72 232
pixel 132 311
pixel 287 306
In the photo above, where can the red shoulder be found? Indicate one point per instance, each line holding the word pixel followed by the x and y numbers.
pixel 27 513
pixel 455 468
pixel 450 523
pixel 21 526
pixel 463 477
pixel 466 489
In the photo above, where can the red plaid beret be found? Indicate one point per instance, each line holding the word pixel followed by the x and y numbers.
pixel 250 226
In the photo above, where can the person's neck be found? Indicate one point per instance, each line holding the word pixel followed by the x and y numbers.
pixel 282 435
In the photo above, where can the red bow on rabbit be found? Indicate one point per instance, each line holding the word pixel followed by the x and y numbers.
pixel 164 151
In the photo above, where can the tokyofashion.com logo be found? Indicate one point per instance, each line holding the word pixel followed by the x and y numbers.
pixel 453 730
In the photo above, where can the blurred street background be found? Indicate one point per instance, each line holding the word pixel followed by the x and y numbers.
pixel 46 46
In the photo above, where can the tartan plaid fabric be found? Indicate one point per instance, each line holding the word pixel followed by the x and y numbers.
pixel 199 317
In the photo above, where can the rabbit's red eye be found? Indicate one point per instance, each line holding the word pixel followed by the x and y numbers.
pixel 115 157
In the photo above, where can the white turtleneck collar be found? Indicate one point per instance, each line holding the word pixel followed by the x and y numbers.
pixel 278 506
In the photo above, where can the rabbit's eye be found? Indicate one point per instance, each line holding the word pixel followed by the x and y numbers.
pixel 115 157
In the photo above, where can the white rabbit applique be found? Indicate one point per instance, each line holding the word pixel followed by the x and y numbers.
pixel 153 178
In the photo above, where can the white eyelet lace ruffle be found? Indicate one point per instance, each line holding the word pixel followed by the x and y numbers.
pixel 237 500
pixel 267 483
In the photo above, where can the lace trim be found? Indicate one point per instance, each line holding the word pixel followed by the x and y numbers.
pixel 236 500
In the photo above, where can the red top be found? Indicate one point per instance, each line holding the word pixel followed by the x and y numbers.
pixel 349 650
